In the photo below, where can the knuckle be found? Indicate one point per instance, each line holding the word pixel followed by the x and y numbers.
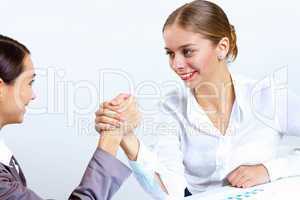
pixel 105 105
pixel 106 111
pixel 98 112
pixel 102 119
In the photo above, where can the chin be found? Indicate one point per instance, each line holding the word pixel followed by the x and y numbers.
pixel 19 120
pixel 191 85
pixel 196 83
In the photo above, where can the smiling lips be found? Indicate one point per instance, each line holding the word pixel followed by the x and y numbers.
pixel 187 76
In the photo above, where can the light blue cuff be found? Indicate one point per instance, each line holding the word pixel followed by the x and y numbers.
pixel 146 179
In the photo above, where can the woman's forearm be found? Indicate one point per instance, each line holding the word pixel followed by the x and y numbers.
pixel 109 143
pixel 130 145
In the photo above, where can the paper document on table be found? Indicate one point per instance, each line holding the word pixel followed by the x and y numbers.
pixel 283 189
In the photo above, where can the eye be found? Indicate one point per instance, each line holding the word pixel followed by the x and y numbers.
pixel 170 54
pixel 187 52
pixel 31 82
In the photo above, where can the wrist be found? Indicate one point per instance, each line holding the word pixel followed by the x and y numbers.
pixel 130 145
pixel 109 143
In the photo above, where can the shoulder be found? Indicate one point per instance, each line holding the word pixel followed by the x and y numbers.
pixel 174 101
pixel 251 89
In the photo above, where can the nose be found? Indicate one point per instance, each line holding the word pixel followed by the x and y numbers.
pixel 178 63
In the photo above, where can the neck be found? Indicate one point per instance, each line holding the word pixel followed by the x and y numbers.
pixel 218 88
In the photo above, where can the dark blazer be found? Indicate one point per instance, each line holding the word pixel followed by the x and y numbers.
pixel 103 177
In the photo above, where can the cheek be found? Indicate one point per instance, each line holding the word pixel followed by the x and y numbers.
pixel 21 95
pixel 25 95
pixel 13 102
pixel 205 61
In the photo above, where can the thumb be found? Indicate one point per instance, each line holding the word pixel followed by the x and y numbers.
pixel 119 99
pixel 127 103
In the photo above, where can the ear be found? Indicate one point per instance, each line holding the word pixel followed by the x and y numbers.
pixel 222 48
pixel 2 88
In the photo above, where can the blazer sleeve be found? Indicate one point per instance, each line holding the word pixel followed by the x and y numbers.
pixel 103 177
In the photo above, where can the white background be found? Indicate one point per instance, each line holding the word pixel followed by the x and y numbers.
pixel 76 39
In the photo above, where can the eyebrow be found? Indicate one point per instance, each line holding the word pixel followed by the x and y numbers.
pixel 182 46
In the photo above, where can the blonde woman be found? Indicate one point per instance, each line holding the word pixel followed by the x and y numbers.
pixel 218 135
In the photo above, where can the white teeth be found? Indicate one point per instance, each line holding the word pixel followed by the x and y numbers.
pixel 187 76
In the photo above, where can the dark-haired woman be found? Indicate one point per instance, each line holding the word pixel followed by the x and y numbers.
pixel 104 174
pixel 223 129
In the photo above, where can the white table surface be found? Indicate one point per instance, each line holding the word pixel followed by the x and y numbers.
pixel 283 189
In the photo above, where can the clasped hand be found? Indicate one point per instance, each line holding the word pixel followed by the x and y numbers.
pixel 118 117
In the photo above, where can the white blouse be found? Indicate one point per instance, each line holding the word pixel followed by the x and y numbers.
pixel 192 153
pixel 5 153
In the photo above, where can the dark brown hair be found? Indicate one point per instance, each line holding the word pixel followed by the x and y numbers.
pixel 12 54
pixel 208 19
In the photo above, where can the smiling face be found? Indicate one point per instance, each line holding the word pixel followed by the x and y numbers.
pixel 192 57
pixel 14 97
